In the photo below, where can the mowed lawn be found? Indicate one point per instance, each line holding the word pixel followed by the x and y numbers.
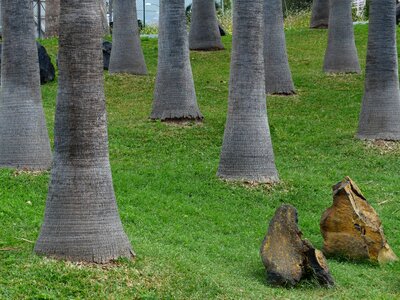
pixel 195 236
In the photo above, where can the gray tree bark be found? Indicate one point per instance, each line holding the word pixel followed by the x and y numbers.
pixel 204 30
pixel 104 19
pixel 320 14
pixel 247 153
pixel 380 112
pixel 126 54
pixel 81 221
pixel 24 141
pixel 52 18
pixel 174 96
pixel 278 78
pixel 341 53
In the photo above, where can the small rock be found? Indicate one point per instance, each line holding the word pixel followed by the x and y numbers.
pixel 286 257
pixel 352 228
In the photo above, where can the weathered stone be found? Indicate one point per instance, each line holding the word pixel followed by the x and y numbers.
pixel 47 71
pixel 286 257
pixel 352 228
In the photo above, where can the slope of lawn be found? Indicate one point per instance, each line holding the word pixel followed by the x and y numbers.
pixel 195 236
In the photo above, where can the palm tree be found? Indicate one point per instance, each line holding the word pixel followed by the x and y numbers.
pixel 52 17
pixel 341 53
pixel 247 153
pixel 24 141
pixel 204 30
pixel 174 96
pixel 320 14
pixel 380 113
pixel 104 19
pixel 81 221
pixel 278 78
pixel 126 54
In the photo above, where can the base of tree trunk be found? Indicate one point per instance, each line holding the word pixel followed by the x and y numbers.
pixel 319 26
pixel 182 122
pixel 208 49
pixel 287 257
pixel 352 228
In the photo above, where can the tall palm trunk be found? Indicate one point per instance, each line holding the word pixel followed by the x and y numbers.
pixel 341 53
pixel 174 96
pixel 126 54
pixel 204 30
pixel 24 141
pixel 380 113
pixel 81 221
pixel 320 14
pixel 278 78
pixel 247 153
pixel 52 17
pixel 104 19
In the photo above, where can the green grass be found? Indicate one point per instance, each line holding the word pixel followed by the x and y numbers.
pixel 195 236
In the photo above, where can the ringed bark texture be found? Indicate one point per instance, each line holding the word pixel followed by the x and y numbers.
pixel 81 220
pixel 341 53
pixel 247 153
pixel 174 96
pixel 320 14
pixel 278 78
pixel 52 17
pixel 126 54
pixel 24 141
pixel 380 112
pixel 204 30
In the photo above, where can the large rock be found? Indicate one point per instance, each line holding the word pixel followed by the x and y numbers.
pixel 287 257
pixel 352 228
pixel 107 47
pixel 47 71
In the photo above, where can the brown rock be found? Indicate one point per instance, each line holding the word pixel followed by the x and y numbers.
pixel 286 257
pixel 352 228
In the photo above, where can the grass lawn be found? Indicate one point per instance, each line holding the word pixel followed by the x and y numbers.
pixel 195 236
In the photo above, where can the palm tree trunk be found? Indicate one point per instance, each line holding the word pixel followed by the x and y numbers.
pixel 204 30
pixel 174 96
pixel 278 78
pixel 126 54
pixel 247 153
pixel 341 53
pixel 320 14
pixel 52 18
pixel 24 141
pixel 380 112
pixel 104 19
pixel 81 220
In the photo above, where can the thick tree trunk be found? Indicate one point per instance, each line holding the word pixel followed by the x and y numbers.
pixel 247 153
pixel 341 53
pixel 204 30
pixel 320 14
pixel 81 221
pixel 174 96
pixel 126 54
pixel 24 141
pixel 278 78
pixel 380 112
pixel 104 19
pixel 52 18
